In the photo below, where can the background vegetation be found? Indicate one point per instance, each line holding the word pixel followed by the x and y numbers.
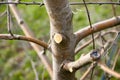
pixel 17 58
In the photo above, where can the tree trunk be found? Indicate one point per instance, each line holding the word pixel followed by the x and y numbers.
pixel 62 38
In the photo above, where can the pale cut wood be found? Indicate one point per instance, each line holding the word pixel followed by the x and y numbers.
pixel 58 38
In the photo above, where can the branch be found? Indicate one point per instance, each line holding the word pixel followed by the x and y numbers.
pixel 88 42
pixel 97 27
pixel 20 37
pixel 73 66
pixel 34 70
pixel 2 14
pixel 29 33
pixel 71 3
pixel 115 60
pixel 87 71
pixel 95 3
pixel 108 70
pixel 114 9
pixel 83 60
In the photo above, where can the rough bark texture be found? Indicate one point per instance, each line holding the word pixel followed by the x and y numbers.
pixel 61 23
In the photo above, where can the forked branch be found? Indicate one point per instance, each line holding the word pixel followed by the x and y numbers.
pixel 86 59
pixel 73 66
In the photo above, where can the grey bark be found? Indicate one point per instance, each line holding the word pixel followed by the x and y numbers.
pixel 60 16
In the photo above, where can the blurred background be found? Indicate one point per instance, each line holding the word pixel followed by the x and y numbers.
pixel 17 58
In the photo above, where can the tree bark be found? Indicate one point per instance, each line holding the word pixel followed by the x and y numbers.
pixel 62 38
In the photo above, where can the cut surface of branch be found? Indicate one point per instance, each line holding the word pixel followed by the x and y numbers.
pixel 58 38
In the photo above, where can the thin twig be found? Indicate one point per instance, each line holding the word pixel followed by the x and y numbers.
pixel 93 40
pixel 9 20
pixel 85 44
pixel 102 39
pixel 108 70
pixel 113 8
pixel 71 3
pixel 2 14
pixel 95 3
pixel 87 72
pixel 34 69
pixel 115 60
pixel 88 14
pixel 25 47
pixel 43 74
pixel 114 63
pixel 92 70
pixel 89 42
pixel 24 3
pixel 113 50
